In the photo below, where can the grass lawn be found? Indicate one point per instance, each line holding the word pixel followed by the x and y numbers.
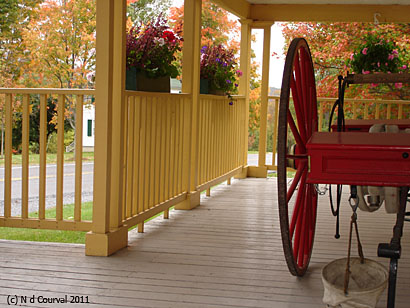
pixel 34 159
pixel 60 236
pixel 39 235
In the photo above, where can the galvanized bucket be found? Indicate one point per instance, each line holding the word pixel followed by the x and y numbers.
pixel 367 282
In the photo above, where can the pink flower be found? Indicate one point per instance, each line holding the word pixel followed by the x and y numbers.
pixel 364 51
pixel 398 85
pixel 239 73
pixel 351 56
pixel 373 85
pixel 365 72
pixel 378 64
pixel 391 57
pixel 395 52
pixel 404 67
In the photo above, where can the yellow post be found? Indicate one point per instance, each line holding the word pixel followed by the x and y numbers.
pixel 190 84
pixel 244 84
pixel 262 170
pixel 108 234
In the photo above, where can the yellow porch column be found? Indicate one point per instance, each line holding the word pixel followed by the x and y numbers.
pixel 262 170
pixel 244 83
pixel 108 234
pixel 190 84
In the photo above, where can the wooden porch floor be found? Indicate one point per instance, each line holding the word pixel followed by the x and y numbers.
pixel 225 253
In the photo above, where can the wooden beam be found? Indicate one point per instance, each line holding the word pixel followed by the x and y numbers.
pixel 240 8
pixel 330 12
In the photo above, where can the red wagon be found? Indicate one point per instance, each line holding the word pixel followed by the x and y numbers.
pixel 332 158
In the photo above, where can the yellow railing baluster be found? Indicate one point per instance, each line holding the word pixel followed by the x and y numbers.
pixel 43 156
pixel 8 156
pixel 60 155
pixel 388 116
pixel 129 159
pixel 137 111
pixel 24 152
pixel 400 114
pixel 377 116
pixel 157 153
pixel 78 156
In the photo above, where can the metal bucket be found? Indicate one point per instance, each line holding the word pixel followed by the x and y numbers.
pixel 367 282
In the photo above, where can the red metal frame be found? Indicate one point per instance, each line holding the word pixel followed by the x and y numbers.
pixel 357 158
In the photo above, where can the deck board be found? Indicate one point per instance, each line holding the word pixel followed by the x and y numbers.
pixel 225 253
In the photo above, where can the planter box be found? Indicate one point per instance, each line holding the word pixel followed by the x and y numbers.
pixel 204 88
pixel 139 82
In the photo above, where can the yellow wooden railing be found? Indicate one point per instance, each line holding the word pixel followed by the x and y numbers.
pixel 157 136
pixel 23 97
pixel 222 128
pixel 156 141
pixel 354 109
pixel 157 144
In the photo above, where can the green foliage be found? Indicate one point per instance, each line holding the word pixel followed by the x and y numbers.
pixel 143 11
pixel 69 137
pixel 376 55
pixel 52 143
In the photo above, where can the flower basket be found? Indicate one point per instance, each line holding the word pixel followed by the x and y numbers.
pixel 151 58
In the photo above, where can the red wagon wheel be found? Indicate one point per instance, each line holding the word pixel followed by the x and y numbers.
pixel 297 121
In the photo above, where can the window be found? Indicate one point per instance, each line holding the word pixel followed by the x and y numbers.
pixel 89 128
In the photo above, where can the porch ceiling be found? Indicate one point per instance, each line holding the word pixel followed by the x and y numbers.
pixel 319 10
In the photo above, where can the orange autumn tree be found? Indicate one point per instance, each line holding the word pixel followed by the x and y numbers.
pixel 61 45
pixel 332 45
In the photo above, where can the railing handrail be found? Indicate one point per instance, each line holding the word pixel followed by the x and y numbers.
pixel 356 100
pixel 64 91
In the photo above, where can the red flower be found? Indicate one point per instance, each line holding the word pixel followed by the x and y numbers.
pixel 168 35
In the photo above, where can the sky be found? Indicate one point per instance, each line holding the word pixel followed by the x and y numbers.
pixel 277 42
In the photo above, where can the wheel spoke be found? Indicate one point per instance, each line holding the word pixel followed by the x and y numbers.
pixel 296 179
pixel 297 102
pixel 298 203
pixel 295 133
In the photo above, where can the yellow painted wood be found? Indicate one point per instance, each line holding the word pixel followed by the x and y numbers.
pixel 400 114
pixel 228 181
pixel 330 12
pixel 190 82
pixel 25 155
pixel 182 127
pixel 388 116
pixel 142 162
pixel 136 187
pixel 8 156
pixel 257 171
pixel 105 244
pixel 366 111
pixel 219 179
pixel 103 123
pixel 377 111
pixel 208 192
pixel 166 214
pixel 130 176
pixel 148 157
pixel 118 113
pixel 60 155
pixel 163 109
pixel 141 227
pixel 240 8
pixel 201 142
pixel 275 131
pixel 168 152
pixel 136 220
pixel 321 108
pixel 50 224
pixel 157 153
pixel 172 152
pixel 47 91
pixel 152 154
pixel 43 156
pixel 78 156
pixel 264 97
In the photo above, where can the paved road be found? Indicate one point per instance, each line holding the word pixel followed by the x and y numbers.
pixel 69 184
pixel 51 173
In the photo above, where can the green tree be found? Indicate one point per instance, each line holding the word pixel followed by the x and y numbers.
pixel 144 11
